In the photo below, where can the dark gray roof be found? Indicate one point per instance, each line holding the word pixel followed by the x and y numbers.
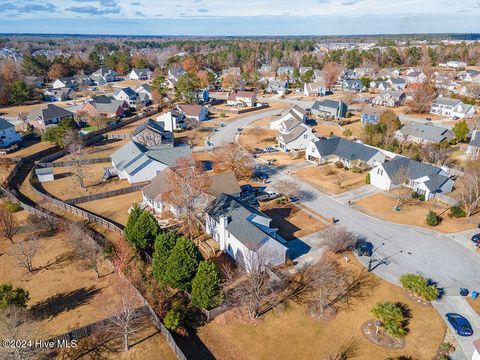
pixel 128 90
pixel 49 112
pixel 414 169
pixel 240 223
pixel 151 125
pixel 332 104
pixel 346 149
pixel 426 131
pixel 4 124
pixel 435 181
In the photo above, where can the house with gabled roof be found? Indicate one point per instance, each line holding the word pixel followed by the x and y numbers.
pixel 293 134
pixel 453 108
pixel 61 94
pixel 152 133
pixel 47 115
pixel 103 76
pixel 244 233
pixel 65 82
pixel 295 112
pixel 332 109
pixel 138 163
pixel 473 150
pixel 371 115
pixel 469 75
pixel 193 111
pixel 140 74
pixel 145 91
pixel 388 73
pixel 348 152
pixel 390 98
pixel 106 106
pixel 8 134
pixel 277 86
pixel 413 76
pixel 353 85
pixel 130 96
pixel 242 99
pixel 397 83
pixel 423 133
pixel 316 88
pixel 425 179
pixel 172 120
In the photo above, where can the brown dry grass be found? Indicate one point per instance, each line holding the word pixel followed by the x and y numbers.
pixel 324 177
pixel 114 208
pixel 257 137
pixel 66 186
pixel 356 128
pixel 475 304
pixel 291 221
pixel 327 130
pixel 382 205
pixel 64 291
pixel 281 158
pixel 291 334
pixel 29 147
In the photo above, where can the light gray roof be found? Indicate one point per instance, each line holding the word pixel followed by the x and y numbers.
pixel 294 134
pixel 426 131
pixel 331 104
pixel 397 81
pixel 144 71
pixel 239 216
pixel 446 101
pixel 475 141
pixel 345 149
pixel 4 124
pixel 106 104
pixel 44 171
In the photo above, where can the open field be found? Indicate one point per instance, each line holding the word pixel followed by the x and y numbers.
pixel 327 178
pixel 291 334
pixel 66 186
pixel 63 294
pixel 382 205
pixel 291 221
pixel 282 158
pixel 257 137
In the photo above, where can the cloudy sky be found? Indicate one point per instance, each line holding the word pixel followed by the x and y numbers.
pixel 239 17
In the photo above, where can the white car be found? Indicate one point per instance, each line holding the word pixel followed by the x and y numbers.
pixel 267 195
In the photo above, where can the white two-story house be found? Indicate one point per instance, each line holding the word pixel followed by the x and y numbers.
pixel 452 108
pixel 8 135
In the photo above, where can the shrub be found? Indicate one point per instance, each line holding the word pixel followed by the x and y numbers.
pixel 144 231
pixel 347 132
pixel 173 318
pixel 206 292
pixel 222 114
pixel 11 206
pixel 457 211
pixel 392 317
pixel 10 296
pixel 418 196
pixel 420 286
pixel 339 165
pixel 367 179
pixel 432 218
pixel 330 171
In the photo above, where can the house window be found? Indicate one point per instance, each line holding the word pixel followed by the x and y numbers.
pixel 305 136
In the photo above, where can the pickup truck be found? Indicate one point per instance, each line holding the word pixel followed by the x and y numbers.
pixel 267 195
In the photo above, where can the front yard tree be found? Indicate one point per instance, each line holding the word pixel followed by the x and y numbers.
pixel 25 251
pixel 307 77
pixel 338 239
pixel 133 216
pixel 469 187
pixel 232 157
pixel 402 192
pixel 182 264
pixel 159 89
pixel 288 188
pixel 331 73
pixel 461 131
pixel 206 291
pixel 164 244
pixel 10 296
pixel 392 318
pixel 145 230
pixel 422 98
pixel 8 223
pixel 19 92
pixel 186 87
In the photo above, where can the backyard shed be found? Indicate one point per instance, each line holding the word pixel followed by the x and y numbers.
pixel 44 174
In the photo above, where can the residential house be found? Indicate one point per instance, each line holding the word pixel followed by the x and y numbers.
pixel 193 111
pixel 152 133
pixel 330 109
pixel 304 69
pixel 348 74
pixel 295 112
pixel 371 115
pixel 265 68
pixel 315 89
pixel 457 65
pixel 425 179
pixel 397 83
pixel 473 150
pixel 68 82
pixel 173 120
pixel 363 72
pixel 390 98
pixel 277 86
pixel 469 75
pixel 233 71
pixel 285 72
pixel 414 76
pixel 47 115
pixel 145 91
pixel 293 134
pixel 8 134
pixel 140 74
pixel 137 162
pixel 34 81
pixel 380 85
pixel 244 233
pixel 348 152
pixel 129 95
pixel 173 75
pixel 423 133
pixel 61 94
pixel 353 85
pixel 318 75
pixel 388 73
pixel 452 108
pixel 242 99
pixel 103 76
pixel 153 194
pixel 105 106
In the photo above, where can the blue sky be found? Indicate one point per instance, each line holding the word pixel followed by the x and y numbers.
pixel 239 17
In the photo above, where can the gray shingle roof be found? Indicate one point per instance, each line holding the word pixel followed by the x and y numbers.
pixel 49 112
pixel 294 134
pixel 414 169
pixel 332 104
pixel 426 131
pixel 4 124
pixel 346 149
pixel 446 101
pixel 129 91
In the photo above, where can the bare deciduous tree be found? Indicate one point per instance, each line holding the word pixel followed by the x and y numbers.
pixel 338 239
pixel 339 180
pixel 84 246
pixel 422 98
pixel 8 224
pixel 402 192
pixel 331 73
pixel 287 188
pixel 25 251
pixel 473 90
pixel 76 147
pixel 232 157
pixel 469 187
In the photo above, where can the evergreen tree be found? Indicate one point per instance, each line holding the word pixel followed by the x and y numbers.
pixel 19 92
pixel 461 131
pixel 10 296
pixel 132 219
pixel 145 230
pixel 164 243
pixel 205 286
pixel 182 264
pixel 56 134
pixel 186 87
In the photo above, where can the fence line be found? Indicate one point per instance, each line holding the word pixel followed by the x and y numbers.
pixel 106 194
pixel 118 136
pixel 237 111
pixel 72 163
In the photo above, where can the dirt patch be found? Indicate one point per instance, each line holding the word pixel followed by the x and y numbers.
pixel 114 208
pixel 382 205
pixel 291 221
pixel 331 180
pixel 283 334
pixel 63 294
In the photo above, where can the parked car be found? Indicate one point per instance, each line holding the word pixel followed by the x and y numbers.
pixel 239 129
pixel 428 119
pixel 259 173
pixel 267 195
pixel 460 324
pixel 476 239
pixel 364 248
pixel 270 149
pixel 257 151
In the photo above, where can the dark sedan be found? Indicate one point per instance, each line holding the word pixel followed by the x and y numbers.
pixel 476 239
pixel 460 324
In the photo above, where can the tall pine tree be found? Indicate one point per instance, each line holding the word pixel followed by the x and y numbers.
pixel 206 291
pixel 182 264
pixel 145 230
pixel 164 243
pixel 132 219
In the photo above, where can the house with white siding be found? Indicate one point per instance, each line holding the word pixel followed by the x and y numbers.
pixel 140 74
pixel 242 99
pixel 473 150
pixel 8 134
pixel 244 233
pixel 453 108
pixel 295 113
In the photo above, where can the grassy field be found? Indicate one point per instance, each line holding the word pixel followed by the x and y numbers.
pixel 327 178
pixel 382 205
pixel 291 334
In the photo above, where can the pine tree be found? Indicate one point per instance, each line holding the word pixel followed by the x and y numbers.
pixel 132 219
pixel 182 264
pixel 206 292
pixel 164 243
pixel 145 230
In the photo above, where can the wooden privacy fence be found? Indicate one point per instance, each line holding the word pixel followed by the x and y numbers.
pixel 234 110
pixel 106 194
pixel 72 163
pixel 118 136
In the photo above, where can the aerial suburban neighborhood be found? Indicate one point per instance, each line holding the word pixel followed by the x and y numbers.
pixel 206 189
